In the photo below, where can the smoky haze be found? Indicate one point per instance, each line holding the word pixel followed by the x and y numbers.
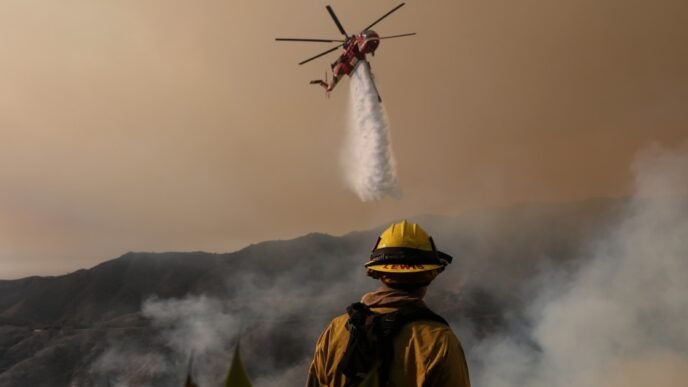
pixel 172 125
pixel 619 320
pixel 594 303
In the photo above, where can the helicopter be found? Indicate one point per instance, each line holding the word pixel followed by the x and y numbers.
pixel 356 47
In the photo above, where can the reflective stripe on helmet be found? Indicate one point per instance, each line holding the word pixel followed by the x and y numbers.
pixel 404 268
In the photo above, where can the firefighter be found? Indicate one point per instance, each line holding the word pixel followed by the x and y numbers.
pixel 391 338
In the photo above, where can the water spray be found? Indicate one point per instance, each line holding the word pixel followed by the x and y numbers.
pixel 369 162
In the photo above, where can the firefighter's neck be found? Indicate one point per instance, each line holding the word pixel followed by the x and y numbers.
pixel 414 290
pixel 386 296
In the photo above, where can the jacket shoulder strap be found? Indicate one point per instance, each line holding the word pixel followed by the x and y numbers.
pixel 362 349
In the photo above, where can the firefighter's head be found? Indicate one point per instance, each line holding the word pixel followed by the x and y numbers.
pixel 405 256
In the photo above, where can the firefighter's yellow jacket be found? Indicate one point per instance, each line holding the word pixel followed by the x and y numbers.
pixel 426 354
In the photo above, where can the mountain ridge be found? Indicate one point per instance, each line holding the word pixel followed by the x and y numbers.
pixel 63 326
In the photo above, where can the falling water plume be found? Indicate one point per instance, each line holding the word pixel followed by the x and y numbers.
pixel 369 162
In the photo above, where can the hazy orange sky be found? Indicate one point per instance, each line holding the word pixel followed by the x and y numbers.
pixel 163 125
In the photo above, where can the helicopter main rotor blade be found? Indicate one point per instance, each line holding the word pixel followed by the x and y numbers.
pixel 397 36
pixel 336 21
pixel 308 40
pixel 383 16
pixel 321 54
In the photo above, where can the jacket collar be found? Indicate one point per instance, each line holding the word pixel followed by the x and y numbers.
pixel 386 297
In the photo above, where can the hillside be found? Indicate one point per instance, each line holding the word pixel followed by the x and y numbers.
pixel 134 320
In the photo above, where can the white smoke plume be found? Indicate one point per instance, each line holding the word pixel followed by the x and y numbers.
pixel 368 160
pixel 621 320
pixel 199 326
pixel 261 316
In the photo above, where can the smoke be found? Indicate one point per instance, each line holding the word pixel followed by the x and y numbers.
pixel 142 369
pixel 621 319
pixel 186 324
pixel 368 160
pixel 274 313
pixel 608 309
pixel 199 326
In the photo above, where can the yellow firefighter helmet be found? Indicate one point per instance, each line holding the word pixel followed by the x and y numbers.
pixel 405 248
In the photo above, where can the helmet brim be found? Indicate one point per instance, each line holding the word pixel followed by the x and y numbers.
pixel 403 268
pixel 405 255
